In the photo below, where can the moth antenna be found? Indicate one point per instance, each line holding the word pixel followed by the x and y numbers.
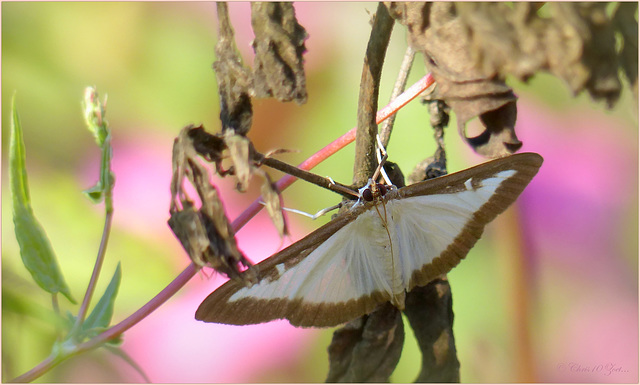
pixel 380 145
pixel 382 156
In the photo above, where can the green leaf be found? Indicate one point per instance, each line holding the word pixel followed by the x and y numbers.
pixel 95 193
pixel 36 251
pixel 101 314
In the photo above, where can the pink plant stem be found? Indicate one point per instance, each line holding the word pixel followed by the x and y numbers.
pixel 175 285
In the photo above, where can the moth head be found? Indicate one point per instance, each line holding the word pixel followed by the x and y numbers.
pixel 372 191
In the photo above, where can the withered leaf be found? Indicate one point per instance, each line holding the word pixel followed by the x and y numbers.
pixel 209 146
pixel 206 233
pixel 245 163
pixel 279 44
pixel 499 136
pixel 189 229
pixel 273 204
pixel 214 148
pixel 469 88
pixel 626 24
pixel 234 79
pixel 471 47
pixel 368 348
pixel 239 150
pixel 430 314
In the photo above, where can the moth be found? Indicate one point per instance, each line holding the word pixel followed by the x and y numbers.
pixel 377 251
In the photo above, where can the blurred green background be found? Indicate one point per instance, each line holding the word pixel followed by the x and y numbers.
pixel 154 62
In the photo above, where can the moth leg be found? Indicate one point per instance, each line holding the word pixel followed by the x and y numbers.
pixel 312 216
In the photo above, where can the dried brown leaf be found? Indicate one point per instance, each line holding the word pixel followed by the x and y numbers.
pixel 626 24
pixel 189 230
pixel 368 348
pixel 209 146
pixel 239 151
pixel 279 151
pixel 471 47
pixel 279 44
pixel 234 79
pixel 429 312
pixel 470 89
pixel 273 203
pixel 205 233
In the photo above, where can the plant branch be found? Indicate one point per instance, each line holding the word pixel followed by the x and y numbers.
pixel 40 369
pixel 365 160
pixel 366 349
pixel 318 180
pixel 398 87
pixel 94 114
pixel 84 307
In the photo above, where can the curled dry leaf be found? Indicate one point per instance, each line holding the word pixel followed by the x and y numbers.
pixel 210 147
pixel 368 348
pixel 246 162
pixel 430 314
pixel 279 44
pixel 239 151
pixel 427 169
pixel 471 47
pixel 279 151
pixel 470 89
pixel 273 203
pixel 234 79
pixel 626 24
pixel 189 228
pixel 205 233
pixel 394 173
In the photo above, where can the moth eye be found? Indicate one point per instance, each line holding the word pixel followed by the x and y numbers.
pixel 382 188
pixel 367 195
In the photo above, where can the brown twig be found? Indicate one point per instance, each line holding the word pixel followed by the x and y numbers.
pixel 353 354
pixel 398 88
pixel 310 177
pixel 365 160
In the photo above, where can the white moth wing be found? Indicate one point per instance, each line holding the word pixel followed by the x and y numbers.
pixel 346 276
pixel 426 225
pixel 352 263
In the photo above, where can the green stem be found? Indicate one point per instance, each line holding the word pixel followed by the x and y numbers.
pixel 39 369
pixel 84 307
pixel 106 181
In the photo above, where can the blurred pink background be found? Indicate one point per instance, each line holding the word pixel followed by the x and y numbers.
pixel 579 216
